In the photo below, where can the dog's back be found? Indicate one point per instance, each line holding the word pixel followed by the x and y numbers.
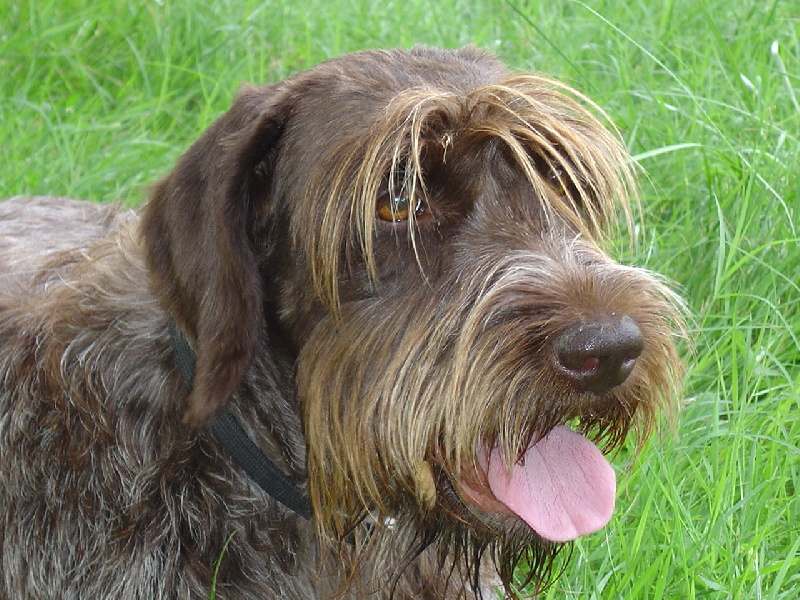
pixel 34 230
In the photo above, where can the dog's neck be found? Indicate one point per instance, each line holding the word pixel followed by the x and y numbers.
pixel 240 448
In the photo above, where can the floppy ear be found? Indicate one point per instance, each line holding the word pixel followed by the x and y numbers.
pixel 200 255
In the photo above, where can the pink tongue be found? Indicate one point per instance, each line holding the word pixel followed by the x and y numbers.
pixel 563 488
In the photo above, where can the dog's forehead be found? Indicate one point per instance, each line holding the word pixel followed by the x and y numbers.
pixel 360 85
pixel 396 70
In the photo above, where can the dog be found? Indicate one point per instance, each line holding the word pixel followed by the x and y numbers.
pixel 363 341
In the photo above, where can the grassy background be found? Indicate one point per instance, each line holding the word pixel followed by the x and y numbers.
pixel 98 98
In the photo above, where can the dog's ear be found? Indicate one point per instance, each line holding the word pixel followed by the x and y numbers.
pixel 195 229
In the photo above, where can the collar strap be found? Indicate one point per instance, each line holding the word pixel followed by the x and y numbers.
pixel 232 437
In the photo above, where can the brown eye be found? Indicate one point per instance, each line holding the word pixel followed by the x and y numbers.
pixel 399 207
pixel 558 181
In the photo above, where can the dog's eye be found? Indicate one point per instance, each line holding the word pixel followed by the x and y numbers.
pixel 558 181
pixel 398 207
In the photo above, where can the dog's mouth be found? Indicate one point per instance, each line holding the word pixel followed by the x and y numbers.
pixel 562 488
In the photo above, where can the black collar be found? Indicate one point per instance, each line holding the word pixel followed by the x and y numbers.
pixel 229 434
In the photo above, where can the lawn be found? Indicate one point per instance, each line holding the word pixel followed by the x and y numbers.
pixel 98 98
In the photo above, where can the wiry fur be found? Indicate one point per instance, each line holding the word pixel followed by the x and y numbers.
pixel 368 359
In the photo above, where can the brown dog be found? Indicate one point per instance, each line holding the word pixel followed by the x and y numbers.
pixel 357 342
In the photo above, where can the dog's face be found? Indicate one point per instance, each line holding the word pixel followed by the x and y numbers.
pixel 422 231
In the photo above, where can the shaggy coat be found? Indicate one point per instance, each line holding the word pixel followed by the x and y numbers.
pixel 390 271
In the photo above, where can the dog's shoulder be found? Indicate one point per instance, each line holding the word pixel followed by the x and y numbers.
pixel 36 230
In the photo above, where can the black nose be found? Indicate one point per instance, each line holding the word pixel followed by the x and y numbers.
pixel 596 357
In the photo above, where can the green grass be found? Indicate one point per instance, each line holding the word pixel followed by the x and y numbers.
pixel 98 98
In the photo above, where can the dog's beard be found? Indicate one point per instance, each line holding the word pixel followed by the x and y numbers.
pixel 466 550
pixel 454 426
pixel 468 535
pixel 473 542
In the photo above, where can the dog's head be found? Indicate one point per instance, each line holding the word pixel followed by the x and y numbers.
pixel 423 229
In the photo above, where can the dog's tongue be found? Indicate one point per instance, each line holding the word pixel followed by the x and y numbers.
pixel 563 488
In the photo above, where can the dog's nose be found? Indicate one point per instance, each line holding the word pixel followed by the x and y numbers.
pixel 596 357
